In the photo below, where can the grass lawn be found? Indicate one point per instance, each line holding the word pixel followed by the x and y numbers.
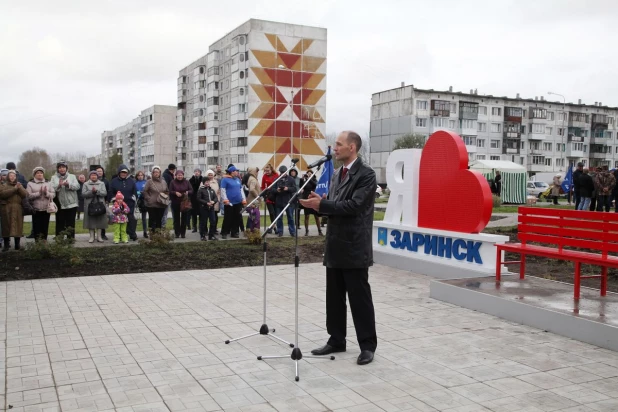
pixel 513 208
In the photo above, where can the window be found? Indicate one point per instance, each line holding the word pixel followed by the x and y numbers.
pixel 496 111
pixel 616 149
pixel 496 127
pixel 533 145
pixel 550 115
pixel 451 124
pixel 239 125
pixel 608 134
pixel 562 117
pixel 616 164
pixel 480 142
pixel 483 110
pixel 454 108
pixel 585 133
pixel 480 157
pixel 213 101
pixel 242 141
pixel 538 113
pixel 547 161
pixel 522 144
pixel 242 75
pixel 468 124
pixel 201 69
pixel 547 146
pixel 216 116
pixel 471 140
pixel 482 127
pixel 610 120
pixel 440 122
pixel 585 148
pixel 422 105
pixel 494 144
pixel 241 91
pixel 538 128
pixel 580 147
pixel 523 129
pixel 521 160
pixel 560 131
pixel 538 160
pixel 242 57
pixel 421 122
pixel 549 131
pixel 494 157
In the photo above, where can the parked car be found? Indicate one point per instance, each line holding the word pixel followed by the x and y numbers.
pixel 536 188
pixel 378 191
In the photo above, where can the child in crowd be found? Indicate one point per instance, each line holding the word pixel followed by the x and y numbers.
pixel 120 211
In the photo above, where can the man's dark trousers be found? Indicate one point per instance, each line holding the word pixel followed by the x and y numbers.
pixel 356 283
pixel 603 201
pixel 131 225
pixel 578 198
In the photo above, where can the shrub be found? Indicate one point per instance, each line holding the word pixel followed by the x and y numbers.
pixel 60 247
pixel 254 237
pixel 496 201
pixel 158 239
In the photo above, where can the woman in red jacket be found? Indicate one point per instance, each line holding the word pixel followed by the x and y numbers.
pixel 267 179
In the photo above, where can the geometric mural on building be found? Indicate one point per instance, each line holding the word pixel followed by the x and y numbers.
pixel 287 118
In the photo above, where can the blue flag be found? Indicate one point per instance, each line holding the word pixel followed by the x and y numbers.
pixel 568 180
pixel 325 177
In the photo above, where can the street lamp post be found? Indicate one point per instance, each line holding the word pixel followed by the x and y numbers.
pixel 563 121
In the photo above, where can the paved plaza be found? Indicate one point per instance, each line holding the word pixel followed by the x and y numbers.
pixel 155 342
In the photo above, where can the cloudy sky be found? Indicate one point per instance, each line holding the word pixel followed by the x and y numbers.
pixel 71 69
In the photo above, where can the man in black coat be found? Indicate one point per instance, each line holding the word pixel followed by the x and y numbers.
pixel 195 182
pixel 168 176
pixel 101 174
pixel 348 251
pixel 576 175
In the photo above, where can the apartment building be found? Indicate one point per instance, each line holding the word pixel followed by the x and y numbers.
pixel 145 141
pixel 542 135
pixel 257 97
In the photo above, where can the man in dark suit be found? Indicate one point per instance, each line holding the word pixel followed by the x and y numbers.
pixel 348 252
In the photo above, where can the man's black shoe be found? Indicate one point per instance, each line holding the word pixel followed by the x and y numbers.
pixel 223 237
pixel 212 238
pixel 365 357
pixel 236 236
pixel 327 349
pixel 104 237
pixel 30 236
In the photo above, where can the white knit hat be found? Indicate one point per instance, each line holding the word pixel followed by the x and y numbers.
pixel 209 171
pixel 156 167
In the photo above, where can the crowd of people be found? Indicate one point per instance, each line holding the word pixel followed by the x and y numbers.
pixel 595 189
pixel 195 203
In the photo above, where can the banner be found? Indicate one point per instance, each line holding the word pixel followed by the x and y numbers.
pixel 325 177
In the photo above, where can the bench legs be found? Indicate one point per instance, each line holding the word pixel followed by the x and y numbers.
pixel 604 281
pixel 522 267
pixel 577 282
pixel 498 264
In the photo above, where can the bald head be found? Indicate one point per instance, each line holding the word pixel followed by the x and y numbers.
pixel 347 145
pixel 353 138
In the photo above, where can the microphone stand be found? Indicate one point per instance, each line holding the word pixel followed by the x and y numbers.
pixel 296 352
pixel 264 329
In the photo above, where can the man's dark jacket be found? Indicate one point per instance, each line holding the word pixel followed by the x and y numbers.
pixel 195 184
pixel 282 198
pixel 125 186
pixel 586 185
pixel 168 177
pixel 576 175
pixel 349 207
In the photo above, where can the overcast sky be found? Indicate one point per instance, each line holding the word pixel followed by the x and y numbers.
pixel 71 69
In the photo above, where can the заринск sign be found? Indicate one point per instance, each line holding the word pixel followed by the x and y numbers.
pixel 437 208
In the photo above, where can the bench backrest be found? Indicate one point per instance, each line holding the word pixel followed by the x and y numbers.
pixel 570 228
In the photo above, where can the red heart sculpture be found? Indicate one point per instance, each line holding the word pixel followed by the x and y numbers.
pixel 450 196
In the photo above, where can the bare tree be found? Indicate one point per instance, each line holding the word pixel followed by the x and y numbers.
pixel 32 158
pixel 410 141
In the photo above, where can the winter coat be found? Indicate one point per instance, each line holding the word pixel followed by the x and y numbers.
pixel 268 180
pixel 180 186
pixel 205 195
pixel 21 179
pixel 586 185
pixel 11 211
pixel 196 183
pixel 39 201
pixel 555 190
pixel 125 186
pixel 151 192
pixel 168 177
pixel 120 210
pixel 283 197
pixel 254 190
pixel 576 175
pixel 311 186
pixel 605 183
pixel 349 207
pixel 94 222
pixel 215 186
pixel 66 196
pixel 80 198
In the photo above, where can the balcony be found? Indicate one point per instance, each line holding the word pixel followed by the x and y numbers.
pixel 536 167
pixel 513 115
pixel 440 108
pixel 537 136
pixel 574 152
pixel 577 119
pixel 537 113
pixel 471 148
pixel 510 150
pixel 600 155
pixel 600 122
pixel 575 134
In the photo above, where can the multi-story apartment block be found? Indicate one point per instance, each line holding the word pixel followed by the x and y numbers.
pixel 145 141
pixel 544 136
pixel 257 97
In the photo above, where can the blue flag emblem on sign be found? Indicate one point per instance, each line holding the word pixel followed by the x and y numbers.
pixel 568 180
pixel 382 236
pixel 325 177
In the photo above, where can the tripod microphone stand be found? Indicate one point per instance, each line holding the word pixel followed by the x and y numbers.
pixel 296 352
pixel 264 329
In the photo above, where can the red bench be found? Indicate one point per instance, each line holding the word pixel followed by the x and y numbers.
pixel 561 228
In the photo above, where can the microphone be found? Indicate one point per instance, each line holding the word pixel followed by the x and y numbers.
pixel 320 162
pixel 295 160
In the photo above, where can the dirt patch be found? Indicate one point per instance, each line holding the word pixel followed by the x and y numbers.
pixel 554 269
pixel 171 257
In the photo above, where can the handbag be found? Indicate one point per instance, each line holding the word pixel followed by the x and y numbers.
pixel 185 204
pixel 96 208
pixel 51 207
pixel 164 199
pixel 27 206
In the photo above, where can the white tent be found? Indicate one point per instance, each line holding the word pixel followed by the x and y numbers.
pixel 514 178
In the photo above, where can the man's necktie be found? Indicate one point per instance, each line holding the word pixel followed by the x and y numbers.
pixel 344 172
